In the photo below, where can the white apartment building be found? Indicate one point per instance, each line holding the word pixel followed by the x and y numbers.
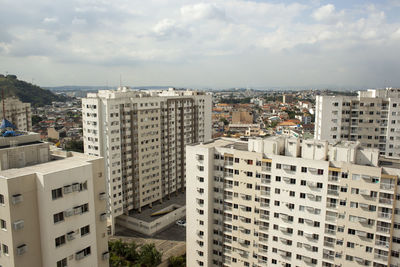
pixel 17 112
pixel 291 202
pixel 372 117
pixel 142 136
pixel 52 206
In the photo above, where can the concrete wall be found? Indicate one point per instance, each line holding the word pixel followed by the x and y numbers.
pixel 151 228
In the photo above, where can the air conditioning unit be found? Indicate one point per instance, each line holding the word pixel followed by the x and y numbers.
pixel 102 196
pixel 18 224
pixel 286 167
pixel 67 189
pixel 17 198
pixel 364 192
pixel 69 213
pixel 78 210
pixel 76 187
pixel 103 216
pixel 70 235
pixel 105 255
pixel 79 255
pixel 22 249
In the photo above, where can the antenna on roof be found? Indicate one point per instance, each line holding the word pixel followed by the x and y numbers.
pixel 120 80
pixel 4 108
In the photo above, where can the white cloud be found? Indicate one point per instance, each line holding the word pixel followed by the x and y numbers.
pixel 125 35
pixel 202 11
pixel 50 20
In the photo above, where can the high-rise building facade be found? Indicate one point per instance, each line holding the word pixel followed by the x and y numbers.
pixel 52 206
pixel 142 136
pixel 291 202
pixel 372 117
pixel 17 112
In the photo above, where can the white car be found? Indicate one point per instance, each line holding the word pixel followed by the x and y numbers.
pixel 181 223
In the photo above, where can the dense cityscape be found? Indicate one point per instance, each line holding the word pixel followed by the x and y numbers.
pixel 253 133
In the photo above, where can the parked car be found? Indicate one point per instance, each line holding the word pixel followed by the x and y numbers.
pixel 181 223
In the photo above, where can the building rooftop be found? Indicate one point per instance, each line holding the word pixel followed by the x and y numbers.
pixel 23 138
pixel 60 160
pixel 343 151
pixel 145 214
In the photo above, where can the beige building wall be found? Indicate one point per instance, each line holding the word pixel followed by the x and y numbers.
pixel 372 118
pixel 242 117
pixel 142 136
pixel 18 113
pixel 28 206
pixel 281 201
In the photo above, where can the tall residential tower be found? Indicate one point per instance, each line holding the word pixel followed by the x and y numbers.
pixel 372 117
pixel 52 206
pixel 142 136
pixel 291 202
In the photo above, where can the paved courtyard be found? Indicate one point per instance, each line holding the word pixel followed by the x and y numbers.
pixel 170 241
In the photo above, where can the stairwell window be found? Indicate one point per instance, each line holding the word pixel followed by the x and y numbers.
pixel 3 225
pixel 1 199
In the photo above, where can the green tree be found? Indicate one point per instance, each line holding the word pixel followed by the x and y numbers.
pixel 36 119
pixel 179 261
pixel 225 121
pixel 149 256
pixel 76 146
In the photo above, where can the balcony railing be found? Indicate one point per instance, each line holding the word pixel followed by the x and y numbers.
pixel 381 257
pixel 387 186
pixel 332 178
pixel 386 201
pixel 385 215
pixel 265 181
pixel 382 229
pixel 331 205
pixel 330 231
pixel 330 244
pixel 333 192
pixel 265 193
pixel 382 243
pixel 265 169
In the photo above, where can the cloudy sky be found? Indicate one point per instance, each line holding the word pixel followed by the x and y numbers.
pixel 215 44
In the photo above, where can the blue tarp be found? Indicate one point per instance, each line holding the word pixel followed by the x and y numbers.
pixel 6 124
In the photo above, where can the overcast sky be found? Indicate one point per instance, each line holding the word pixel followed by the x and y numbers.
pixel 215 44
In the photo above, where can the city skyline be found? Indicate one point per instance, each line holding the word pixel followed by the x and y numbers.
pixel 216 44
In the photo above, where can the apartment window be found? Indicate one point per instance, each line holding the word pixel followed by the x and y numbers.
pixel 58 217
pixel 85 230
pixel 3 224
pixel 303 169
pixel 319 185
pixel 277 191
pixel 85 207
pixel 320 171
pixel 5 249
pixel 350 244
pixel 1 199
pixel 278 166
pixel 60 241
pixel 85 252
pixel 56 193
pixel 278 178
pixel 303 182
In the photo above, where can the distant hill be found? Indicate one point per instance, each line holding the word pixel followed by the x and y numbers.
pixel 96 88
pixel 28 92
